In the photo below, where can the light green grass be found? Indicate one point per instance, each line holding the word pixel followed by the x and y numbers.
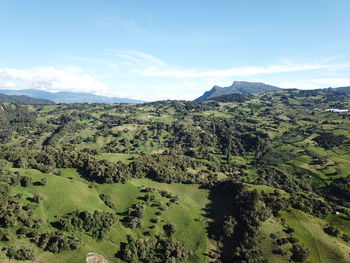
pixel 69 192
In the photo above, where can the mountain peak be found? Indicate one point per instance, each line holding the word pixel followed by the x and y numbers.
pixel 241 87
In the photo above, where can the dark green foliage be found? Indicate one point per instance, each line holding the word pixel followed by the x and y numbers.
pixel 345 237
pixel 229 226
pixel 169 229
pixel 11 211
pixel 26 181
pixel 134 215
pixel 279 251
pixel 339 188
pixel 279 178
pixel 165 168
pixel 311 204
pixel 331 230
pixel 236 221
pixel 95 224
pixel 282 241
pixel 158 250
pixel 329 140
pixel 235 97
pixel 20 253
pixel 107 200
pixel 4 236
pixel 274 157
pixel 69 126
pixel 56 242
pixel 299 254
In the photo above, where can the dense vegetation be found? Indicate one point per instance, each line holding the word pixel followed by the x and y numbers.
pixel 238 178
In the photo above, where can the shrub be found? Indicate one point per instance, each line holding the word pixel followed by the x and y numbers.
pixel 21 253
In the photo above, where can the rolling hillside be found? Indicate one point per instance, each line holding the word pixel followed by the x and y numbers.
pixel 238 178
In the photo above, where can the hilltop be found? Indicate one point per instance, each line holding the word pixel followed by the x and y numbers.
pixel 240 87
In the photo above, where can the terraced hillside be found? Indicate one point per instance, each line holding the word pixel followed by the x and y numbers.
pixel 239 178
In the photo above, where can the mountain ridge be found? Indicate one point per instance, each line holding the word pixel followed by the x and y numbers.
pixel 69 97
pixel 241 87
pixel 24 99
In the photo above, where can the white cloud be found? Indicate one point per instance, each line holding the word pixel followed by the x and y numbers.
pixel 140 75
pixel 52 79
pixel 137 59
pixel 146 65
pixel 318 83
pixel 238 71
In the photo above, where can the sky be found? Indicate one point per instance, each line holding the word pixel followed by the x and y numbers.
pixel 172 49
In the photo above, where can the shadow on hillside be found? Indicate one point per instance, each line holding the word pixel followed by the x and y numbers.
pixel 222 204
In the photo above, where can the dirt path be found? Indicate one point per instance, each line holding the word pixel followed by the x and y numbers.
pixel 96 258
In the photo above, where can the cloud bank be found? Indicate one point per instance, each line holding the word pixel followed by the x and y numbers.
pixel 51 79
pixel 139 75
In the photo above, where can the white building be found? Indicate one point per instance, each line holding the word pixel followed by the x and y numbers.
pixel 337 110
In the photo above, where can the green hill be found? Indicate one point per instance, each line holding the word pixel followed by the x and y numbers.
pixel 240 87
pixel 23 99
pixel 238 178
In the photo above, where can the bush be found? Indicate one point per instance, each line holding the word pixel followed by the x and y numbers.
pixel 299 254
pixel 21 253
pixel 345 237
pixel 56 242
pixel 95 224
pixel 279 251
pixel 107 200
pixel 331 230
pixel 26 181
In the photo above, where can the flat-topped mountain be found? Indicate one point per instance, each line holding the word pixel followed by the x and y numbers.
pixel 69 97
pixel 241 87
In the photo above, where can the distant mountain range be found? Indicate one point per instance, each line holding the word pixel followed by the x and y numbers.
pixel 23 99
pixel 240 87
pixel 342 89
pixel 33 96
pixel 68 97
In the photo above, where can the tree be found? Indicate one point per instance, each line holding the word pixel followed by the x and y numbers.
pixel 229 226
pixel 299 254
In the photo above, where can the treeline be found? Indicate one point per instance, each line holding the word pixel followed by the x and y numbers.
pixel 155 250
pixel 236 223
pixel 95 224
pixel 163 168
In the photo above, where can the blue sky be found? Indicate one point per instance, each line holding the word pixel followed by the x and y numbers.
pixel 172 49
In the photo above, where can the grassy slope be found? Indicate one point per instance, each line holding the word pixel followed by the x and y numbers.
pixel 70 192
pixel 309 230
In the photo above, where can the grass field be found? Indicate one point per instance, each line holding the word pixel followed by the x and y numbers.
pixel 69 192
pixel 322 247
